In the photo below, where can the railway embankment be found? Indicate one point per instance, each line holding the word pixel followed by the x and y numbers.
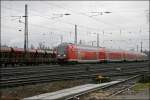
pixel 17 93
pixel 140 91
pixel 25 90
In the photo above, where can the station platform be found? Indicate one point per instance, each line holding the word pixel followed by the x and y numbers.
pixel 70 92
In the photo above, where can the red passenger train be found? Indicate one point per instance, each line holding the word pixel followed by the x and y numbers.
pixel 67 52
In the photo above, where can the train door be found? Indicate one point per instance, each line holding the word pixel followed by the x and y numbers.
pixel 87 54
pixel 102 55
pixel 72 53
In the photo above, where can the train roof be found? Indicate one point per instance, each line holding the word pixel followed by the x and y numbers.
pixel 49 51
pixel 40 51
pixel 18 49
pixel 8 49
pixel 2 49
pixel 32 50
pixel 115 50
pixel 87 47
pixel 80 45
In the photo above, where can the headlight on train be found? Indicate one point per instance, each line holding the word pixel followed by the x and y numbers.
pixel 64 55
pixel 58 55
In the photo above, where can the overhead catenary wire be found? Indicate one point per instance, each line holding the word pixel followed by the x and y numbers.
pixel 82 27
pixel 38 14
pixel 84 14
pixel 49 19
pixel 42 26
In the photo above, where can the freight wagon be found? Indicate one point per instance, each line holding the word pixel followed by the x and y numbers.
pixel 12 56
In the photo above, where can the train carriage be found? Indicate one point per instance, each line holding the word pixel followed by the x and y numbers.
pixel 5 55
pixel 49 56
pixel 31 56
pixel 12 56
pixel 77 53
pixel 40 56
pixel 141 57
pixel 130 56
pixel 18 56
pixel 114 55
pixel 102 55
pixel 87 54
pixel 81 54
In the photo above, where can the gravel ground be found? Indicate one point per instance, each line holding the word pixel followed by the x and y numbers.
pixel 142 93
pixel 129 95
pixel 20 92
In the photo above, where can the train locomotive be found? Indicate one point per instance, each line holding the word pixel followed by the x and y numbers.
pixel 68 52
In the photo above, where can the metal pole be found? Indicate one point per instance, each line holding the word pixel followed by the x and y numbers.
pixel 61 38
pixel 103 32
pixel 141 45
pixel 103 37
pixel 92 43
pixel 137 48
pixel 120 31
pixel 80 42
pixel 26 29
pixel 0 34
pixel 97 40
pixel 75 34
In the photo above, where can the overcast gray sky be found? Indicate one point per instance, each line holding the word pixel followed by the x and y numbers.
pixel 124 28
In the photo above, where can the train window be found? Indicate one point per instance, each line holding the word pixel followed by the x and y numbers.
pixel 73 50
pixel 61 50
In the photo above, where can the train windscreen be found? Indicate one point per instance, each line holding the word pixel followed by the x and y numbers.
pixel 61 50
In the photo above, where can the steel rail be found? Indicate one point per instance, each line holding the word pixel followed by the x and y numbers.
pixel 61 68
pixel 41 79
pixel 77 65
pixel 47 70
pixel 65 72
pixel 104 87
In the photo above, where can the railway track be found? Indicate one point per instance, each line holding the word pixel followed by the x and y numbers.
pixel 67 67
pixel 10 68
pixel 82 90
pixel 24 75
pixel 48 69
pixel 113 89
pixel 121 87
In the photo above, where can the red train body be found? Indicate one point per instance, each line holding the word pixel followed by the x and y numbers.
pixel 68 52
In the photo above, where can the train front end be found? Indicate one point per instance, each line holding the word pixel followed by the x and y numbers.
pixel 62 53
